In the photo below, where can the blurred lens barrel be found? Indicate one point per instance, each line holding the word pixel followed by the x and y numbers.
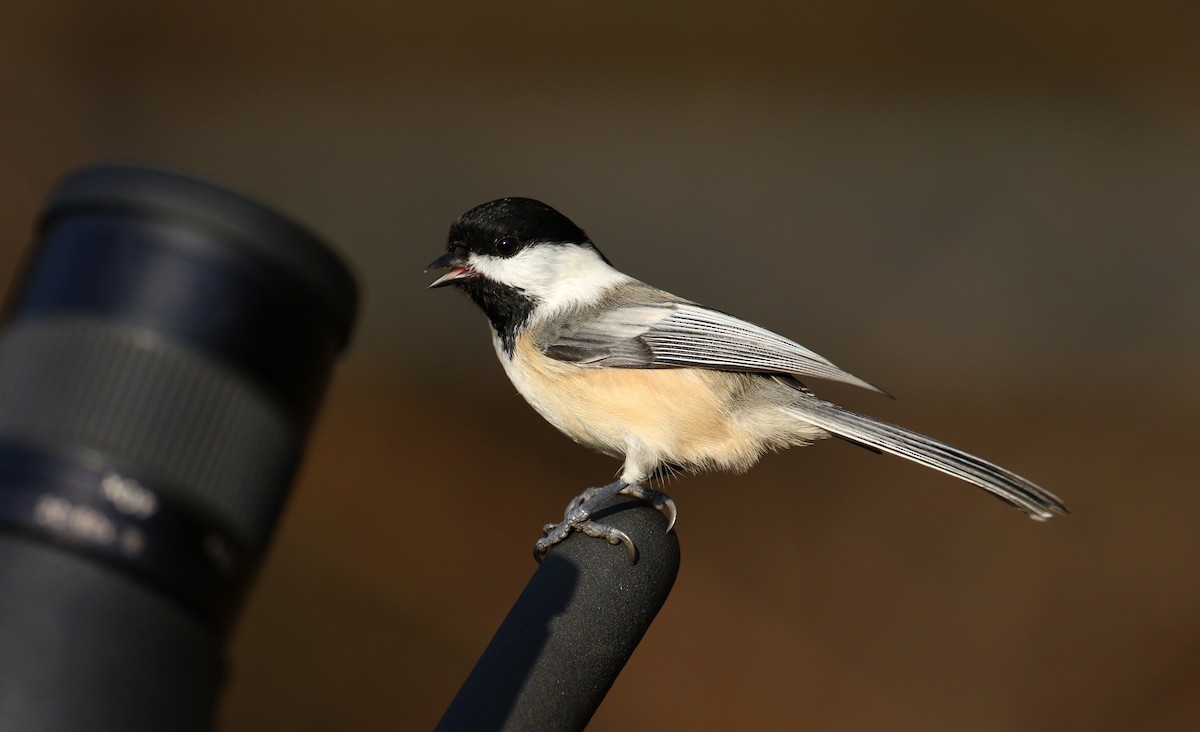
pixel 162 358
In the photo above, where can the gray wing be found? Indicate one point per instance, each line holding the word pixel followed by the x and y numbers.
pixel 685 335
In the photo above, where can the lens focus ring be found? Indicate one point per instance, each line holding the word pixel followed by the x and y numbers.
pixel 192 427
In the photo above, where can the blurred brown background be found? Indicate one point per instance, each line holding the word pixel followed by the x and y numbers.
pixel 992 211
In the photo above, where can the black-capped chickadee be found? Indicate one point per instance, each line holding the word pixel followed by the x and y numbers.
pixel 660 381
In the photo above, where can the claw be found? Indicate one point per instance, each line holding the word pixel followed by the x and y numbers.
pixel 671 512
pixel 631 550
pixel 667 507
pixel 658 499
pixel 612 535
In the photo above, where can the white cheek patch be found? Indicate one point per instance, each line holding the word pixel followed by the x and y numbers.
pixel 559 276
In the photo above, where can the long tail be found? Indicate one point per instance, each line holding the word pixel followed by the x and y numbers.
pixel 1039 503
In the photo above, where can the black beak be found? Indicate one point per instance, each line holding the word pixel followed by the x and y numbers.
pixel 456 273
pixel 442 262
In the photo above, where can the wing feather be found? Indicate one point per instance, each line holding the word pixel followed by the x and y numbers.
pixel 685 335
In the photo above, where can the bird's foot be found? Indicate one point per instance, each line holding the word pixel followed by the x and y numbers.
pixel 577 517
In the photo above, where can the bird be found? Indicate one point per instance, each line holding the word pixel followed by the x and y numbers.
pixel 661 382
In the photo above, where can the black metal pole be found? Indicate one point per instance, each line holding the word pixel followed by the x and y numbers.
pixel 572 629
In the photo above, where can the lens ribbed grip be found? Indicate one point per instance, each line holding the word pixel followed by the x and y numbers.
pixel 190 426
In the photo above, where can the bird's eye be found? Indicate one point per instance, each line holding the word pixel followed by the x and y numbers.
pixel 508 246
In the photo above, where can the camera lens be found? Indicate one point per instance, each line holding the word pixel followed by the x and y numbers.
pixel 161 362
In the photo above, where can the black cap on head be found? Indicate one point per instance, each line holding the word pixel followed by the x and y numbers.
pixel 503 227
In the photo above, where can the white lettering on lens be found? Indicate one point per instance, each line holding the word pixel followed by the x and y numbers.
pixel 129 496
pixel 83 522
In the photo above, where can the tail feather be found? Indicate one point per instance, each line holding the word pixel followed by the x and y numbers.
pixel 1039 503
